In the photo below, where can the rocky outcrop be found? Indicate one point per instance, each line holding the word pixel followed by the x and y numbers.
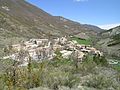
pixel 110 41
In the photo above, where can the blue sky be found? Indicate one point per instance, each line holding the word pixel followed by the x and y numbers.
pixel 103 13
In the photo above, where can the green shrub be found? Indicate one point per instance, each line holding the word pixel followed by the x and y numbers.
pixel 99 82
pixel 100 60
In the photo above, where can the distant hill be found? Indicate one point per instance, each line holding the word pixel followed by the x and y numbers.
pixel 21 20
pixel 110 41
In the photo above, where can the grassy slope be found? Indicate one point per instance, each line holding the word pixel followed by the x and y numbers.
pixel 81 41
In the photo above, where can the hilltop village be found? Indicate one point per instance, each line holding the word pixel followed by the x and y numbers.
pixel 44 49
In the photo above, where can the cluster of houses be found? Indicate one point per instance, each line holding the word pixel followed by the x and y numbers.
pixel 41 49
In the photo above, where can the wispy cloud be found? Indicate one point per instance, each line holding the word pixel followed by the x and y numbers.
pixel 80 0
pixel 108 26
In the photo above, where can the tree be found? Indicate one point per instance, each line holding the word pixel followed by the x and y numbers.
pixel 29 67
pixel 100 60
pixel 58 55
pixel 11 72
pixel 74 57
pixel 8 50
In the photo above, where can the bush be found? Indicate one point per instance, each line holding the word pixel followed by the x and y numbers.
pixel 100 60
pixel 59 72
pixel 101 82
pixel 86 66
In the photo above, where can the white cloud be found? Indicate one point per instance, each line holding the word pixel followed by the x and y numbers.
pixel 109 26
pixel 80 0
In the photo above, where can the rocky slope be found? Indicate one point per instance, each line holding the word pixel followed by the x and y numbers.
pixel 110 41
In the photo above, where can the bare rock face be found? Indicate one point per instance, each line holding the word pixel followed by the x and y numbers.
pixel 115 31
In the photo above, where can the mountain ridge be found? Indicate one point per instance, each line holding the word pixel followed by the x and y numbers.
pixel 20 20
pixel 110 41
pixel 29 13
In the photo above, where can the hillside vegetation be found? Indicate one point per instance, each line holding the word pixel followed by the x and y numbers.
pixel 62 74
pixel 110 42
pixel 81 41
pixel 21 21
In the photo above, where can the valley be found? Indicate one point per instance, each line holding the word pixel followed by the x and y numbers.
pixel 40 51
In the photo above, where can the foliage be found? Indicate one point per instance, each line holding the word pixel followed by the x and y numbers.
pixel 115 41
pixel 116 37
pixel 116 67
pixel 101 82
pixel 58 55
pixel 100 60
pixel 87 66
pixel 54 74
